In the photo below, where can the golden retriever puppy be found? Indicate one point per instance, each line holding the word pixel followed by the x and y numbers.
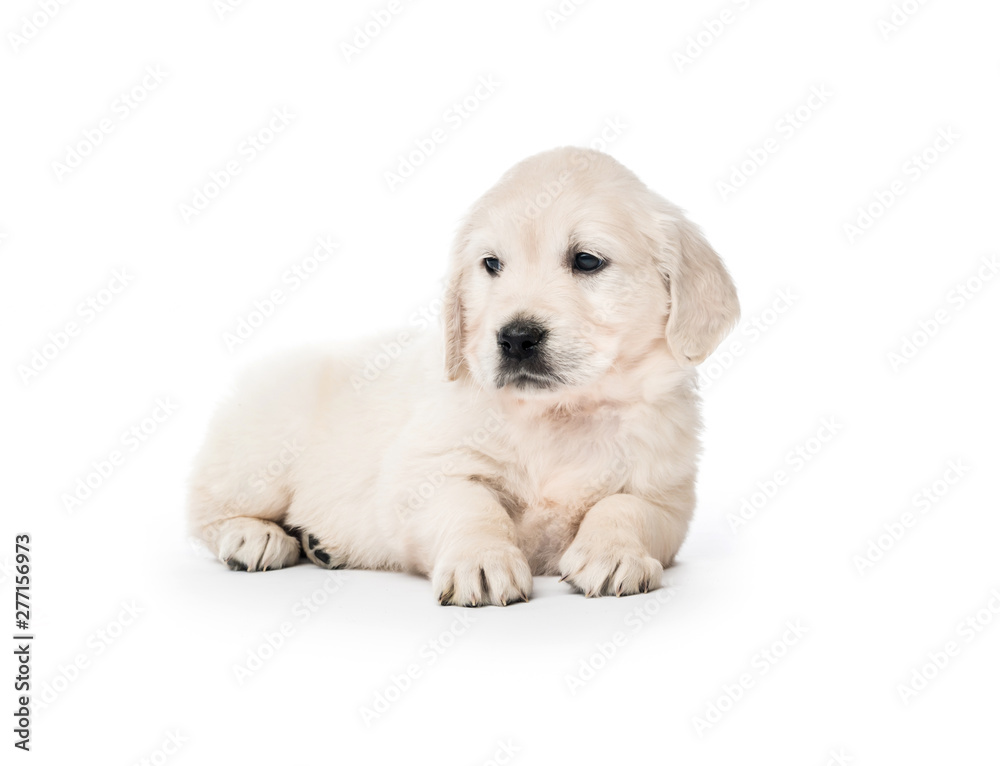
pixel 551 428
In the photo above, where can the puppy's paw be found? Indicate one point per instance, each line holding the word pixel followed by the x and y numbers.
pixel 498 576
pixel 322 556
pixel 608 568
pixel 254 545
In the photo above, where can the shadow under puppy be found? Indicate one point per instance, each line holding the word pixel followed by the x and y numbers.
pixel 551 428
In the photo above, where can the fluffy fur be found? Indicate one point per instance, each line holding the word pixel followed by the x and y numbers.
pixel 452 463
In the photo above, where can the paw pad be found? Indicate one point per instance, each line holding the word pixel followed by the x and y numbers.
pixel 316 554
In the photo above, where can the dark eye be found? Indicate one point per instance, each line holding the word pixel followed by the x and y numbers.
pixel 587 262
pixel 493 265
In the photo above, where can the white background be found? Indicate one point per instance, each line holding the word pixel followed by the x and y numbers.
pixel 506 680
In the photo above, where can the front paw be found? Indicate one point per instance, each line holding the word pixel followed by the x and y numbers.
pixel 609 568
pixel 498 576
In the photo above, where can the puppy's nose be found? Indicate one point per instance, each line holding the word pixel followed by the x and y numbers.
pixel 520 340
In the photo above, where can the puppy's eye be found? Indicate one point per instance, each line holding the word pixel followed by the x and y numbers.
pixel 492 265
pixel 587 262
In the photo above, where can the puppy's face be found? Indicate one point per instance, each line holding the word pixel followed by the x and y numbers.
pixel 553 296
pixel 568 269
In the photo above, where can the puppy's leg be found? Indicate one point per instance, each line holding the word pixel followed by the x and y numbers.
pixel 242 529
pixel 254 545
pixel 622 546
pixel 465 541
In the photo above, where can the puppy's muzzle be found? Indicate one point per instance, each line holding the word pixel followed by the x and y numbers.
pixel 520 340
pixel 522 344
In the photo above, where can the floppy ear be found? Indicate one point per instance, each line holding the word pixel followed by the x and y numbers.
pixel 703 302
pixel 453 325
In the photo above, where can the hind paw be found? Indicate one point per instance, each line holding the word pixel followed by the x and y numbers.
pixel 318 554
pixel 255 545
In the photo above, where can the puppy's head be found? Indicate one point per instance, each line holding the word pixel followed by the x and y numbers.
pixel 570 268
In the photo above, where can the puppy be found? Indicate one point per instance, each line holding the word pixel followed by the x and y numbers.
pixel 552 428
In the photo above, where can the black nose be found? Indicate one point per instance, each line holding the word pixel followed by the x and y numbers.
pixel 520 340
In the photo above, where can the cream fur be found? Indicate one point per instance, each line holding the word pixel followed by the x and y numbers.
pixel 431 468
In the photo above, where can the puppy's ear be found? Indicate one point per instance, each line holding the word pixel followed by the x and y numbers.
pixel 703 302
pixel 454 323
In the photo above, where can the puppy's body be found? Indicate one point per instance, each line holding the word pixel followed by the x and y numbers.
pixel 563 438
